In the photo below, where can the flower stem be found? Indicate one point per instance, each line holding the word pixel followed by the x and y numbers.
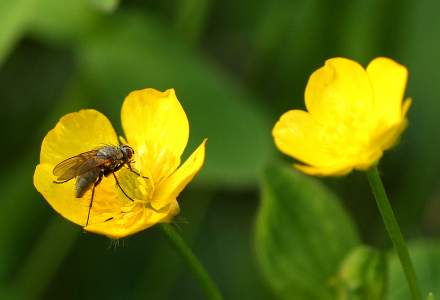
pixel 209 287
pixel 393 230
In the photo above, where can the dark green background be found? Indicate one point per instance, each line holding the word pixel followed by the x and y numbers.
pixel 236 66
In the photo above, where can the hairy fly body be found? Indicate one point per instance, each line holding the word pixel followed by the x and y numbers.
pixel 89 167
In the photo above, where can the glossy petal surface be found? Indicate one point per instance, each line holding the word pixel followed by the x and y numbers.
pixel 388 79
pixel 157 130
pixel 354 114
pixel 75 133
pixel 156 125
pixel 171 187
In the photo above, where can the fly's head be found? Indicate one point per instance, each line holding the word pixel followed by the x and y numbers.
pixel 127 151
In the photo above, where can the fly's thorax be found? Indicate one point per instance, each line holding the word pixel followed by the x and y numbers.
pixel 113 156
pixel 85 181
pixel 110 152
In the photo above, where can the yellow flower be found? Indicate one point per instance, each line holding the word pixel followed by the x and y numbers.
pixel 157 129
pixel 354 114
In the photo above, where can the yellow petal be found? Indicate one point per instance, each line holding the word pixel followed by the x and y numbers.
pixel 298 135
pixel 340 92
pixel 325 171
pixel 156 125
pixel 355 114
pixel 73 134
pixel 112 214
pixel 388 79
pixel 388 137
pixel 76 133
pixel 170 188
pixel 406 106
pixel 61 197
pixel 134 221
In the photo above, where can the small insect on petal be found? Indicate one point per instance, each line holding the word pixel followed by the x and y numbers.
pixel 110 186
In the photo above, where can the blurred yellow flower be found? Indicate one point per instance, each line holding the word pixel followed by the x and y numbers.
pixel 353 115
pixel 157 129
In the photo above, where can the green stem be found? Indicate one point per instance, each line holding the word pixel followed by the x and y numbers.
pixel 393 230
pixel 210 289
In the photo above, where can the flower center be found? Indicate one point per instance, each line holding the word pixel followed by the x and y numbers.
pixel 136 193
pixel 136 187
pixel 348 135
pixel 155 161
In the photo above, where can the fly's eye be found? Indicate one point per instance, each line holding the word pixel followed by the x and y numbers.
pixel 130 152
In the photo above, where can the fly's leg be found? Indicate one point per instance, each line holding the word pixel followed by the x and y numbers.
pixel 150 207
pixel 135 172
pixel 91 200
pixel 120 187
pixel 64 181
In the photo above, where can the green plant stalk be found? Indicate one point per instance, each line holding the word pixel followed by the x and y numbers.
pixel 393 230
pixel 210 289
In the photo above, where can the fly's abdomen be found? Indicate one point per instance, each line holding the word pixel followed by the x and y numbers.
pixel 85 181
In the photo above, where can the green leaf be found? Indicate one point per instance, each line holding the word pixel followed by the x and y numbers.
pixel 14 18
pixel 135 52
pixel 78 18
pixel 426 258
pixel 362 275
pixel 431 296
pixel 302 235
pixel 106 6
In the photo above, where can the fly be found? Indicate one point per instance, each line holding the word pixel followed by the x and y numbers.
pixel 89 167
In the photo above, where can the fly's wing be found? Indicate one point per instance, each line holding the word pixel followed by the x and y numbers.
pixel 77 165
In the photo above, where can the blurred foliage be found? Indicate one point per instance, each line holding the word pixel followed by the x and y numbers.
pixel 216 106
pixel 362 275
pixel 14 18
pixel 426 258
pixel 300 243
pixel 107 6
pixel 236 66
